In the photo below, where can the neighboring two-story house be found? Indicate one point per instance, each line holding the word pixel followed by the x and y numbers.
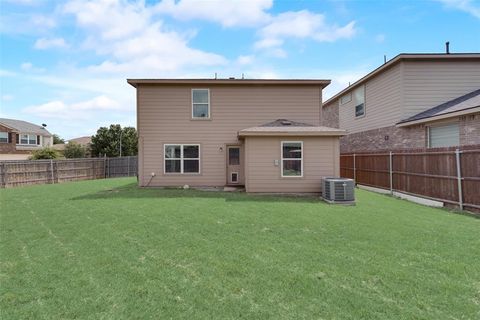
pixel 263 134
pixel 19 138
pixel 412 101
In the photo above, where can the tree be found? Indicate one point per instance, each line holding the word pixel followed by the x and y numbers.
pixel 107 141
pixel 57 139
pixel 44 153
pixel 74 150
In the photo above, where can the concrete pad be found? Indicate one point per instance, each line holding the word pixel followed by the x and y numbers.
pixel 405 196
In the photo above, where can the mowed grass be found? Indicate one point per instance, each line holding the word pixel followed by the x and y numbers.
pixel 106 249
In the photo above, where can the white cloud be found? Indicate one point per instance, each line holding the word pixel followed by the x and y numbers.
pixel 135 43
pixel 468 6
pixel 231 13
pixel 380 38
pixel 301 25
pixel 47 43
pixel 7 97
pixel 26 23
pixel 43 21
pixel 244 60
pixel 113 19
pixel 29 67
pixel 83 110
pixel 24 2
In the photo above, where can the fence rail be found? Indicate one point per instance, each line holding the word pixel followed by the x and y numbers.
pixel 27 172
pixel 448 175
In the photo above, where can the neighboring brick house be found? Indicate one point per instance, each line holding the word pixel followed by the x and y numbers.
pixel 412 101
pixel 19 138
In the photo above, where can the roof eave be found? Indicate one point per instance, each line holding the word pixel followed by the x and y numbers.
pixel 439 117
pixel 291 133
pixel 297 82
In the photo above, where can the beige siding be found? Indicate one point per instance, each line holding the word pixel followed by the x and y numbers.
pixel 383 100
pixel 430 83
pixel 164 116
pixel 321 158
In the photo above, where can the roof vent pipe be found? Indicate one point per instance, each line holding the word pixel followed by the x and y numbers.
pixel 447 47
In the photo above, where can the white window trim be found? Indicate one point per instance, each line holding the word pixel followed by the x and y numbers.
pixel 28 139
pixel 364 102
pixel 209 109
pixel 181 159
pixel 282 158
pixel 231 176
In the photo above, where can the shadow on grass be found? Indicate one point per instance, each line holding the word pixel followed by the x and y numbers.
pixel 133 191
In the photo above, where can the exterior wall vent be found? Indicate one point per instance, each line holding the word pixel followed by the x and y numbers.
pixel 338 190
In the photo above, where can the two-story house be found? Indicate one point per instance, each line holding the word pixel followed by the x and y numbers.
pixel 263 134
pixel 19 138
pixel 411 101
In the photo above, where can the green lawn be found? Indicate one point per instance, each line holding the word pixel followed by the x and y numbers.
pixel 107 250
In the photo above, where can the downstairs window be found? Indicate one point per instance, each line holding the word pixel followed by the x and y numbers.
pixel 182 158
pixel 292 159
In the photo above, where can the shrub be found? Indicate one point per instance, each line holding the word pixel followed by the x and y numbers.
pixel 44 153
pixel 74 150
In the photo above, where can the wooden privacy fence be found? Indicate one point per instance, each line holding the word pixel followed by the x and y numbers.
pixel 27 172
pixel 448 175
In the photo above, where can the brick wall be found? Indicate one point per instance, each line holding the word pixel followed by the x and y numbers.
pixel 330 116
pixel 384 138
pixel 10 146
pixel 470 129
pixel 394 138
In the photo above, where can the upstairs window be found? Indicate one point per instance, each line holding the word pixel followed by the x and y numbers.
pixel 359 102
pixel 3 137
pixel 292 159
pixel 182 158
pixel 200 103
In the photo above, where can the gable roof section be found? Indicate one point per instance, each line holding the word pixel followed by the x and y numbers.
pixel 296 82
pixel 25 127
pixel 402 57
pixel 468 103
pixel 284 127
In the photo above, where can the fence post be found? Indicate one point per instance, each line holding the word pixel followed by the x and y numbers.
pixel 105 166
pixel 354 170
pixel 459 179
pixel 3 177
pixel 51 170
pixel 391 171
pixel 128 166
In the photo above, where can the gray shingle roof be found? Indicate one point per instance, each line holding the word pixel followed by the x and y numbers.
pixel 286 123
pixel 284 127
pixel 467 101
pixel 25 127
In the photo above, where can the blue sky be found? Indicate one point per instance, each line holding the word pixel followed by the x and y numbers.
pixel 65 63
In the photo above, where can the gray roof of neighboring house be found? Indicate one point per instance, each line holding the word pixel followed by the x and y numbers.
pixel 82 140
pixel 25 127
pixel 465 102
